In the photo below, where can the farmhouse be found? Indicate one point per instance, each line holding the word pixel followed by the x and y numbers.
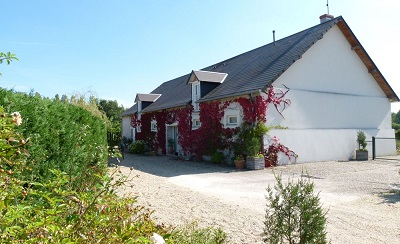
pixel 334 88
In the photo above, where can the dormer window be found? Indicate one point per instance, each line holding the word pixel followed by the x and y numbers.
pixel 202 83
pixel 144 100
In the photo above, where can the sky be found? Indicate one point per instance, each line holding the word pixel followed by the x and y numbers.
pixel 116 49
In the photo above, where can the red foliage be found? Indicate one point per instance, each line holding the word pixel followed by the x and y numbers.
pixel 211 135
pixel 271 153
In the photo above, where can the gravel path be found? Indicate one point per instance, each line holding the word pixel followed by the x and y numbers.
pixel 357 194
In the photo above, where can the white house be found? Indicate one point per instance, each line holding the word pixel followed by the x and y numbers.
pixel 335 91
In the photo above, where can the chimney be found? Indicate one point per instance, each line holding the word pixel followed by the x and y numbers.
pixel 325 17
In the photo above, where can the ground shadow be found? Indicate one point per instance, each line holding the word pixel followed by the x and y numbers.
pixel 393 196
pixel 168 166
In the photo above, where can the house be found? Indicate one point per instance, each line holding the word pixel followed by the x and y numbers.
pixel 334 87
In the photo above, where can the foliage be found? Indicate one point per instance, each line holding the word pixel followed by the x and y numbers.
pixel 191 233
pixel 113 112
pixel 294 213
pixel 362 144
pixel 157 139
pixel 212 136
pixel 217 157
pixel 63 136
pixel 275 147
pixel 251 138
pixel 52 211
pixel 7 57
pixel 137 147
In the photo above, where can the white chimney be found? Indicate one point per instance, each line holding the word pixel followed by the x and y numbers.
pixel 325 17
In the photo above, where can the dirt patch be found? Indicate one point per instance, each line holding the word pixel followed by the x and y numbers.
pixel 357 194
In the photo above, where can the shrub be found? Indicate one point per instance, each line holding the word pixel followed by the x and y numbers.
pixel 191 233
pixel 294 213
pixel 217 157
pixel 68 137
pixel 362 144
pixel 137 147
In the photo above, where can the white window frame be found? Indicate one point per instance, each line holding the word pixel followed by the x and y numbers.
pixel 139 128
pixel 228 122
pixel 196 125
pixel 196 95
pixel 154 126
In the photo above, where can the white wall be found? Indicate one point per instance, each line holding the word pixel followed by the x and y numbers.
pixel 312 145
pixel 332 97
pixel 126 127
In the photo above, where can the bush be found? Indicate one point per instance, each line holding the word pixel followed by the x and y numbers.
pixel 137 147
pixel 69 137
pixel 217 157
pixel 52 211
pixel 191 233
pixel 294 213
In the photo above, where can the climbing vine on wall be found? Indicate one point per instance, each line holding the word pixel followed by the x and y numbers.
pixel 157 140
pixel 212 135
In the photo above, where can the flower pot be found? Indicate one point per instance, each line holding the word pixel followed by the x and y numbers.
pixel 361 155
pixel 255 163
pixel 154 153
pixel 240 163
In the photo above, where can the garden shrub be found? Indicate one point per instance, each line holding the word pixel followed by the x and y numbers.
pixel 294 213
pixel 217 157
pixel 137 147
pixel 52 211
pixel 69 137
pixel 191 233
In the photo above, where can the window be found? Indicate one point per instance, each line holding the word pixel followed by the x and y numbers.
pixel 154 125
pixel 196 96
pixel 196 123
pixel 139 128
pixel 232 120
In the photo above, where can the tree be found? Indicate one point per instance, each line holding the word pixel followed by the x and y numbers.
pixel 111 109
pixel 7 57
pixel 113 112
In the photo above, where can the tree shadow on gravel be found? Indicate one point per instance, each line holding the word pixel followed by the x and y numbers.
pixel 166 166
pixel 393 196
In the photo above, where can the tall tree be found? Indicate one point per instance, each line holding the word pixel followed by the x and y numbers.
pixel 7 57
pixel 113 112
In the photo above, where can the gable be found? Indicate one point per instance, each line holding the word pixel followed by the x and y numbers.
pixel 331 66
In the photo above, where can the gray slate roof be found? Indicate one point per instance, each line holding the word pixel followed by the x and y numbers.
pixel 250 71
pixel 132 110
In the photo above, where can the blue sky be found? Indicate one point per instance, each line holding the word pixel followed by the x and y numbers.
pixel 115 49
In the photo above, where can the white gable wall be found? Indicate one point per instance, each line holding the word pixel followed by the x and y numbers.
pixel 126 127
pixel 333 96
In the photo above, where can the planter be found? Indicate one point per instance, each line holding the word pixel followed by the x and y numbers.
pixel 255 163
pixel 361 155
pixel 240 164
pixel 154 153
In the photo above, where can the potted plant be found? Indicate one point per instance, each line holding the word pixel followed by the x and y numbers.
pixel 240 162
pixel 252 142
pixel 361 153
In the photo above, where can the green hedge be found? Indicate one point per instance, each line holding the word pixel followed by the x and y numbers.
pixel 61 135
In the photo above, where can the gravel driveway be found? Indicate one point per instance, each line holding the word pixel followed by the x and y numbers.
pixel 357 195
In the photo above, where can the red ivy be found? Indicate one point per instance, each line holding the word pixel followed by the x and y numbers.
pixel 211 136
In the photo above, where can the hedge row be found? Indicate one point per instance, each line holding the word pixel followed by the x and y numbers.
pixel 61 135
